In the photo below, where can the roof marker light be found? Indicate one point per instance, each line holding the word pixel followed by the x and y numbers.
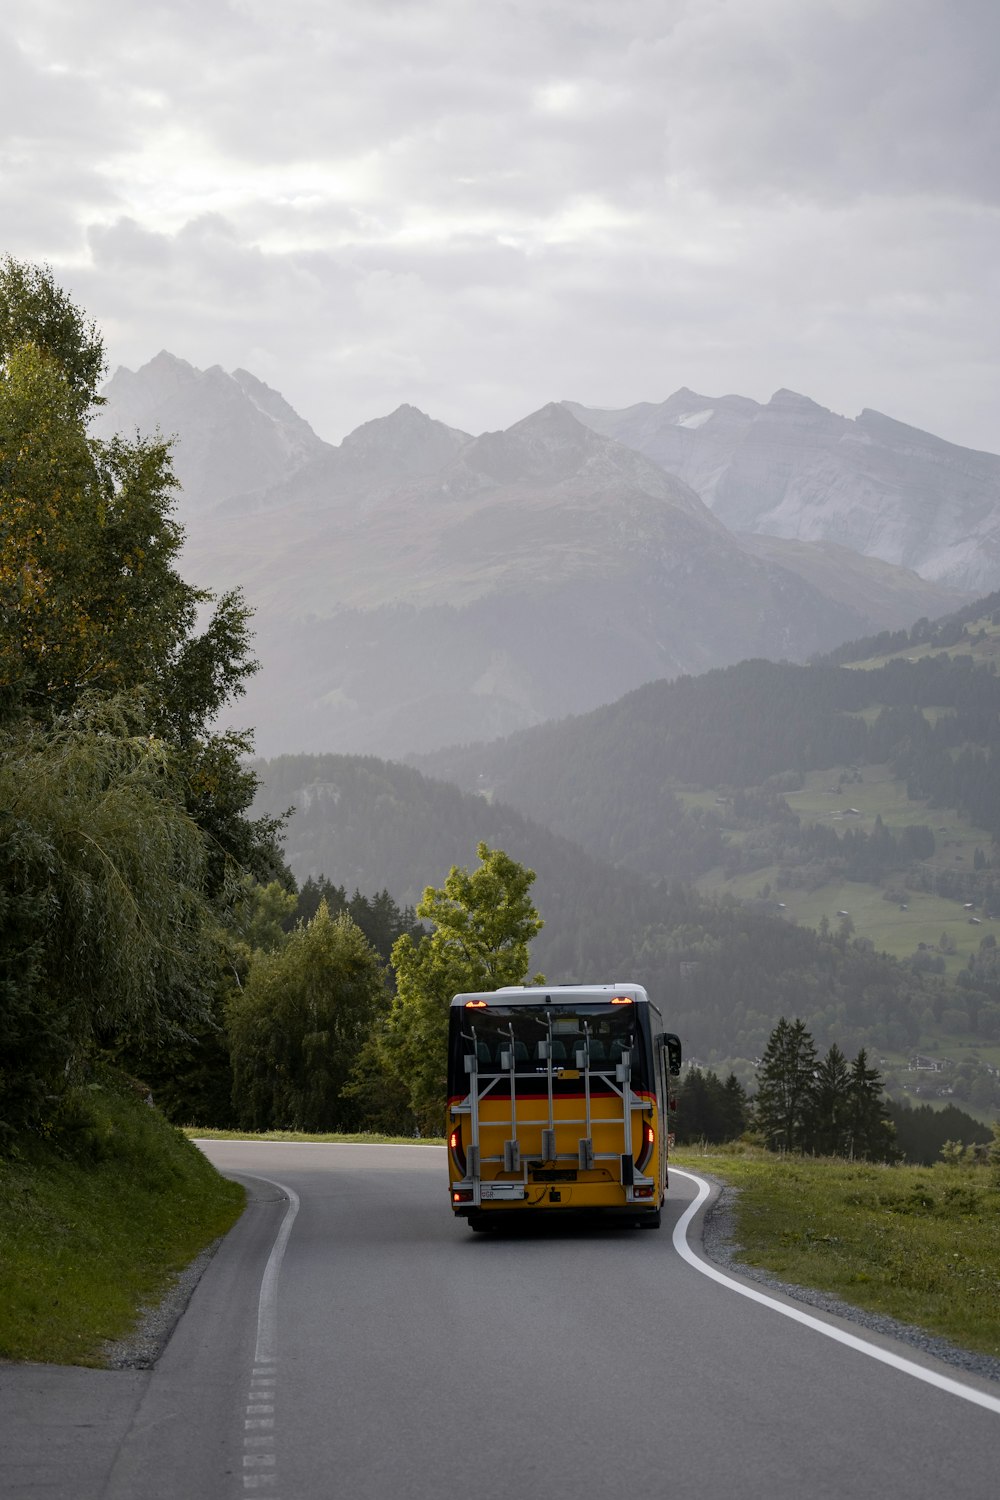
pixel 621 1000
pixel 475 1005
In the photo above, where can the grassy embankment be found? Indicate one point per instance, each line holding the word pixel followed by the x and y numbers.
pixel 94 1221
pixel 921 1244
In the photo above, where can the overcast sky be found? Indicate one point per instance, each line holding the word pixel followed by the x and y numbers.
pixel 479 206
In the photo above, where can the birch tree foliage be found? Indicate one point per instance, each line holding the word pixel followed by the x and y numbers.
pixel 90 594
pixel 91 601
pixel 34 310
pixel 482 926
pixel 89 589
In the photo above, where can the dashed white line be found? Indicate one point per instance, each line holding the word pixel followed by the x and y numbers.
pixel 828 1330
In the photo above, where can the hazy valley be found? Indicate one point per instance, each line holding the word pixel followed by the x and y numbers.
pixel 419 589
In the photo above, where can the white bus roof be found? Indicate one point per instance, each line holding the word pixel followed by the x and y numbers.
pixel 553 994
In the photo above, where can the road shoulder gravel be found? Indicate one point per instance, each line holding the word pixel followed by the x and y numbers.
pixel 141 1347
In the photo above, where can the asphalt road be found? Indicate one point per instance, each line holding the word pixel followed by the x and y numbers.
pixel 351 1340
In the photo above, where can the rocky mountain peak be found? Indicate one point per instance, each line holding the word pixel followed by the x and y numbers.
pixel 405 444
pixel 548 446
pixel 134 393
pixel 233 432
pixel 269 401
pixel 785 402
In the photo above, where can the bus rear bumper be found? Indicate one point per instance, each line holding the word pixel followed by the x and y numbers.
pixel 544 1217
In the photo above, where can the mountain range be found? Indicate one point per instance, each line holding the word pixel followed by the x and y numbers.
pixel 792 469
pixel 416 585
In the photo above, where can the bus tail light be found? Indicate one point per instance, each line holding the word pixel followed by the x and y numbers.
pixel 642 1192
pixel 456 1148
pixel 646 1149
pixel 461 1195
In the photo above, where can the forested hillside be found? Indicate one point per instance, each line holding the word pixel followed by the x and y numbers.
pixel 371 824
pixel 724 972
pixel 859 802
pixel 610 779
pixel 973 630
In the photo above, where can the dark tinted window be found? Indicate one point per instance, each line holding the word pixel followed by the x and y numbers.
pixel 605 1030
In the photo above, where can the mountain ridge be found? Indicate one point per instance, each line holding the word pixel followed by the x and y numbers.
pixel 792 469
pixel 416 584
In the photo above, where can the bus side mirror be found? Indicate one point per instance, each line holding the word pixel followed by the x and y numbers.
pixel 671 1044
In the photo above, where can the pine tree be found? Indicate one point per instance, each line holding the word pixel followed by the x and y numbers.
pixel 735 1109
pixel 830 1125
pixel 868 1131
pixel 786 1087
pixel 694 1112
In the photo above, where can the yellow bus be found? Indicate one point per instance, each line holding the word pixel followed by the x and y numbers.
pixel 559 1102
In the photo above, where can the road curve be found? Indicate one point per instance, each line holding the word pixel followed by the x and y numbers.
pixel 352 1339
pixel 413 1357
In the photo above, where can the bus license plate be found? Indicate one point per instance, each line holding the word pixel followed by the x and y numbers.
pixel 499 1191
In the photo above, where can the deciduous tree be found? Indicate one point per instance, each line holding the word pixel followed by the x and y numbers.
pixel 124 820
pixel 299 1024
pixel 482 927
pixel 104 921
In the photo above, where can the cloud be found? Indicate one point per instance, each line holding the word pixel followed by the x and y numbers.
pixel 479 208
pixel 835 100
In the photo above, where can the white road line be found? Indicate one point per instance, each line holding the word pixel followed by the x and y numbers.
pixel 259 1457
pixel 267 1308
pixel 907 1366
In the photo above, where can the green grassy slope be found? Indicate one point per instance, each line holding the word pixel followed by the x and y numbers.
pixel 919 1243
pixel 94 1220
pixel 982 644
pixel 890 928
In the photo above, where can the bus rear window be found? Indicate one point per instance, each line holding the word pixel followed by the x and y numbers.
pixel 598 1032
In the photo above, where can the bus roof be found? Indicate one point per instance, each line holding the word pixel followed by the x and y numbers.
pixel 553 994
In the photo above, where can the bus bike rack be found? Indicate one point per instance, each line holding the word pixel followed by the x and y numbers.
pixel 585 1158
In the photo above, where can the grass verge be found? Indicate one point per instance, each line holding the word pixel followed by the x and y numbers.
pixel 919 1243
pixel 94 1220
